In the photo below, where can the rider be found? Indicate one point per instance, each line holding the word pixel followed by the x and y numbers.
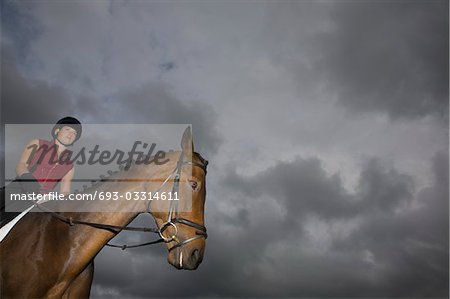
pixel 41 167
pixel 42 164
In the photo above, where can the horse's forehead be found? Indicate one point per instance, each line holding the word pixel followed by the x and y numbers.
pixel 194 156
pixel 174 157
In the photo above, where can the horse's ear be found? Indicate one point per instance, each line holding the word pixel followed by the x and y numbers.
pixel 187 144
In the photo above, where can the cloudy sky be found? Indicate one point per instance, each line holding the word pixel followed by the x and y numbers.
pixel 325 124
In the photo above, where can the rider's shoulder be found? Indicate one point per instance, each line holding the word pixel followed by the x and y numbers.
pixel 33 142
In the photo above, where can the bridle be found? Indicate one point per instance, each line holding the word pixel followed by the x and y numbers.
pixel 172 218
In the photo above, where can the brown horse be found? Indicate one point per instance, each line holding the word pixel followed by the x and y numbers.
pixel 45 257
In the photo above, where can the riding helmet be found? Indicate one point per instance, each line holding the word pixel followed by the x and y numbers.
pixel 69 122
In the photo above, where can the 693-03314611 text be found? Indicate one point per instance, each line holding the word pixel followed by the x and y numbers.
pixel 103 195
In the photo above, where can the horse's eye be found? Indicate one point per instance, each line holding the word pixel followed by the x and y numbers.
pixel 194 185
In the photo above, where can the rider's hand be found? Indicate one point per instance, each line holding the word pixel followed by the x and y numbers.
pixel 29 183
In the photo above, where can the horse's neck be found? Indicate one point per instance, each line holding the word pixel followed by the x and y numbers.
pixel 127 210
pixel 92 239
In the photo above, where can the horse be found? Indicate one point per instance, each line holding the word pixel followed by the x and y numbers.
pixel 51 255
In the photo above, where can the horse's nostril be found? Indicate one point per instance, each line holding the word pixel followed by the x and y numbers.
pixel 195 254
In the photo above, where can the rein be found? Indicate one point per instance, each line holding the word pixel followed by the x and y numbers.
pixel 109 227
pixel 200 233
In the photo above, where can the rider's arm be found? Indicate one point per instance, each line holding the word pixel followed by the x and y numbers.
pixel 66 182
pixel 22 166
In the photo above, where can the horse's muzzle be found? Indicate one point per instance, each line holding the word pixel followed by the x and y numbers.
pixel 188 258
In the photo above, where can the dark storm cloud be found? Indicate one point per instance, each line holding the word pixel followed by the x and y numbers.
pixel 395 250
pixel 408 247
pixel 387 56
pixel 306 188
pixel 34 101
pixel 18 25
pixel 153 103
pixel 26 101
pixel 23 100
pixel 292 229
pixel 303 185
pixel 411 248
pixel 29 101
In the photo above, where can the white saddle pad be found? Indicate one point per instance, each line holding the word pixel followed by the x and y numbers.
pixel 8 227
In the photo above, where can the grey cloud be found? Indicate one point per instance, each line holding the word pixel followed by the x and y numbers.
pixel 302 185
pixel 283 231
pixel 305 187
pixel 389 253
pixel 18 26
pixel 30 101
pixel 411 249
pixel 153 103
pixel 34 101
pixel 384 188
pixel 396 241
pixel 388 57
pixel 26 101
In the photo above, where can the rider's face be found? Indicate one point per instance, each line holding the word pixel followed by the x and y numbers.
pixel 67 135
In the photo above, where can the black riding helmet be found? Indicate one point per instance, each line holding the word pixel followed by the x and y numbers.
pixel 69 122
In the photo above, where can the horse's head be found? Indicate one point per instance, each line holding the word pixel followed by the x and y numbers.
pixel 183 228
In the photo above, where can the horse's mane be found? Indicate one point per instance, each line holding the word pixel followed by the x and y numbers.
pixel 110 173
pixel 202 160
